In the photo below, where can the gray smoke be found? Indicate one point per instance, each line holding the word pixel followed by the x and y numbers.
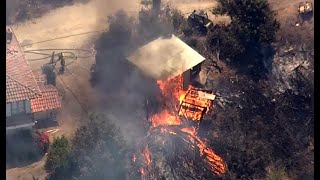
pixel 11 9
pixel 123 87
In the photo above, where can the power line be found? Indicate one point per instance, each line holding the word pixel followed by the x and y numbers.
pixel 62 37
pixel 72 93
pixel 61 79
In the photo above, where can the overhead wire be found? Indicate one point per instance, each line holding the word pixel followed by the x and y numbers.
pixel 72 93
pixel 63 82
pixel 62 37
pixel 76 57
pixel 68 88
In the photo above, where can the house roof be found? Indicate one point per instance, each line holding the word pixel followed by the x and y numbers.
pixel 15 91
pixel 165 58
pixel 20 82
pixel 40 78
pixel 49 100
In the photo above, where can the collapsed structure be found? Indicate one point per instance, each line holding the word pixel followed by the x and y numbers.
pixel 28 98
pixel 167 58
pixel 174 66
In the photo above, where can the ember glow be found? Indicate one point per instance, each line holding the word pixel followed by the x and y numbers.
pixel 143 173
pixel 191 106
pixel 147 161
pixel 216 163
pixel 172 88
pixel 147 155
pixel 134 158
pixel 164 119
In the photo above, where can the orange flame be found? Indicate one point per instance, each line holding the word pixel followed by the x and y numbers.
pixel 171 88
pixel 143 173
pixel 147 155
pixel 164 119
pixel 134 158
pixel 216 163
pixel 192 107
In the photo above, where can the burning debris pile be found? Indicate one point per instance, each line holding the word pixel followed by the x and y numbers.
pixel 173 139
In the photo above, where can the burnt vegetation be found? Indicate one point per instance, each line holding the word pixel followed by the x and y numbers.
pixel 260 131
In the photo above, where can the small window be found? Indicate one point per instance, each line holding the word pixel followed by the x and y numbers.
pixel 14 108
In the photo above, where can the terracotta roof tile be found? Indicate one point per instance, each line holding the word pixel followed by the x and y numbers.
pixel 20 81
pixel 49 100
pixel 16 91
pixel 40 78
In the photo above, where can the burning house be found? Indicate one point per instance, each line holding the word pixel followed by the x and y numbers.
pixel 27 100
pixel 166 58
pixel 170 58
pixel 174 66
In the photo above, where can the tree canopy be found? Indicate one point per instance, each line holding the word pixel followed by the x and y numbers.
pixel 253 25
pixel 58 153
pixel 97 153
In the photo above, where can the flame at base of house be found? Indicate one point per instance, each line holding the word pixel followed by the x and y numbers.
pixel 180 119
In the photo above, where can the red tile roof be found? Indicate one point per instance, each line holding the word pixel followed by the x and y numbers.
pixel 15 91
pixel 49 100
pixel 40 78
pixel 20 81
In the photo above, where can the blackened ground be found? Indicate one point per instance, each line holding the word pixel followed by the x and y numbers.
pixel 172 157
pixel 253 131
pixel 253 126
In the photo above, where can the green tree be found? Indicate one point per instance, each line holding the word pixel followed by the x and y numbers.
pixel 253 24
pixel 98 152
pixel 223 40
pixel 253 20
pixel 58 154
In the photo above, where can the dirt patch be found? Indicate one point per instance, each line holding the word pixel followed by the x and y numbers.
pixel 287 15
pixel 25 173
